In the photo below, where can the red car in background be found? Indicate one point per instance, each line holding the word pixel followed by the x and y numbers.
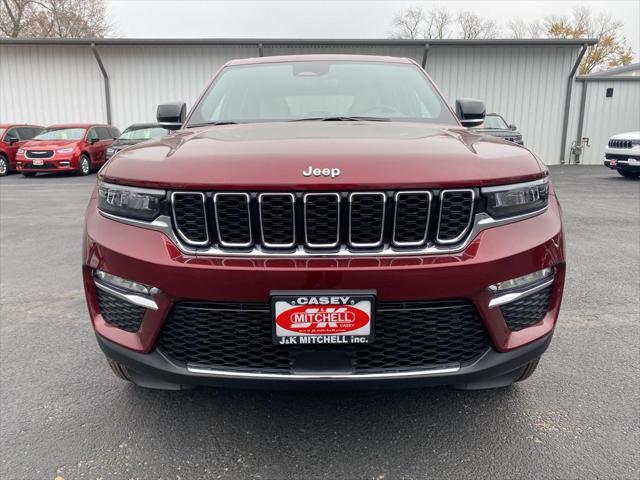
pixel 77 148
pixel 12 138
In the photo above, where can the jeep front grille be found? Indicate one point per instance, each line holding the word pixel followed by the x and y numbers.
pixel 323 221
pixel 620 144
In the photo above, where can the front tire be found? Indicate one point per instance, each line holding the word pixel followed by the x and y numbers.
pixel 628 174
pixel 119 370
pixel 528 370
pixel 84 165
pixel 4 166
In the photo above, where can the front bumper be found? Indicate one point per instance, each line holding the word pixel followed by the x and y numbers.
pixel 624 165
pixel 491 370
pixel 49 165
pixel 494 255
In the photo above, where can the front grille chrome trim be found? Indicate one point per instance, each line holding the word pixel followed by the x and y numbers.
pixel 215 208
pixel 384 208
pixel 466 229
pixel 307 243
pixel 293 216
pixel 323 376
pixel 395 218
pixel 204 210
pixel 482 221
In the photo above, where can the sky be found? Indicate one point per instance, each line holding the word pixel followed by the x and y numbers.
pixel 326 18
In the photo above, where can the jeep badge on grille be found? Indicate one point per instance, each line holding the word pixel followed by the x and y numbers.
pixel 321 172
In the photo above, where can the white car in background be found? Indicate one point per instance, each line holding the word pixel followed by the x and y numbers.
pixel 622 153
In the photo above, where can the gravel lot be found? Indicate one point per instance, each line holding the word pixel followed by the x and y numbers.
pixel 64 414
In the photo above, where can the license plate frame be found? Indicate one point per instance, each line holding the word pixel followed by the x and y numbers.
pixel 323 317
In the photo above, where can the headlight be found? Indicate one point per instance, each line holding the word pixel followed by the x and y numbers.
pixel 130 202
pixel 65 150
pixel 20 151
pixel 110 151
pixel 511 200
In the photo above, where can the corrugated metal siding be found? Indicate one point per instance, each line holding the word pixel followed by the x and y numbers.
pixel 526 85
pixel 604 117
pixel 143 77
pixel 43 85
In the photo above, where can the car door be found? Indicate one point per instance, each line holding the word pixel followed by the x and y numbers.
pixel 92 143
pixel 12 143
pixel 105 138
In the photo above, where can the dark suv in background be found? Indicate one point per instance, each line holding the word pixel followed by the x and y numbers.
pixel 496 126
pixel 134 134
pixel 12 138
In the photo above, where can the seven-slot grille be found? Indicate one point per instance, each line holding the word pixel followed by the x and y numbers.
pixel 405 220
pixel 620 144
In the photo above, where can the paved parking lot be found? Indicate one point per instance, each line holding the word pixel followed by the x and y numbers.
pixel 64 414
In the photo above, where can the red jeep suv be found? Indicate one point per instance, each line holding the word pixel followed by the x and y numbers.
pixel 66 148
pixel 323 220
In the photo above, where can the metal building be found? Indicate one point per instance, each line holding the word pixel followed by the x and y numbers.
pixel 121 81
pixel 604 104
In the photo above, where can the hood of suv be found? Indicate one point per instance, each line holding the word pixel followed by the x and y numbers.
pixel 626 136
pixel 49 144
pixel 271 156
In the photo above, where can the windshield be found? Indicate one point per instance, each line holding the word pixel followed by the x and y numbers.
pixel 494 122
pixel 61 134
pixel 144 133
pixel 321 89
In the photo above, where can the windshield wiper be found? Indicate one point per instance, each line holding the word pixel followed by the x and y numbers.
pixel 341 119
pixel 221 122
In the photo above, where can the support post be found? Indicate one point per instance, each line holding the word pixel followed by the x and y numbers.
pixel 105 76
pixel 567 102
pixel 425 54
pixel 583 101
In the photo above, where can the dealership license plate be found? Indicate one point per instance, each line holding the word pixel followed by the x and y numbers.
pixel 322 318
pixel 38 163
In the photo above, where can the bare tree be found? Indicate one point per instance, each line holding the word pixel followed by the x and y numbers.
pixel 518 28
pixel 54 18
pixel 437 23
pixel 474 26
pixel 409 23
pixel 13 14
pixel 415 23
pixel 611 50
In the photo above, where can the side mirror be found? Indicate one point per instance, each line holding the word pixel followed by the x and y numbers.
pixel 12 140
pixel 512 127
pixel 470 112
pixel 172 115
pixel 92 140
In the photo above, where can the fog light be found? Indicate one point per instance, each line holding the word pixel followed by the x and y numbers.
pixel 127 290
pixel 64 164
pixel 523 281
pixel 119 282
pixel 516 288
